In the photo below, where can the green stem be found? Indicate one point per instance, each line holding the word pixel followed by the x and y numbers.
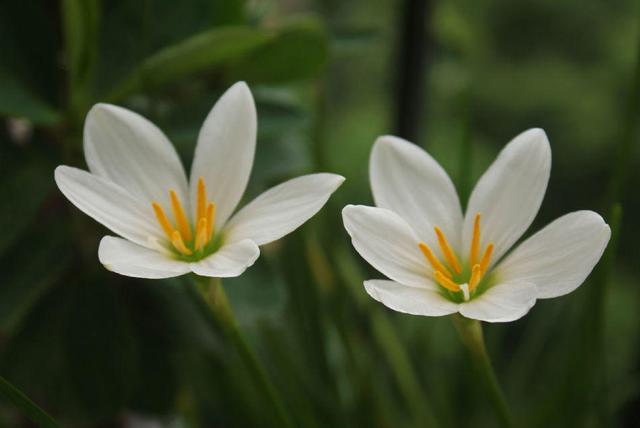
pixel 28 407
pixel 216 298
pixel 403 371
pixel 470 332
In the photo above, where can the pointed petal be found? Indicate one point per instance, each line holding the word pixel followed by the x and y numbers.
pixel 129 259
pixel 407 180
pixel 560 256
pixel 282 209
pixel 388 243
pixel 409 300
pixel 132 152
pixel 503 302
pixel 229 261
pixel 109 204
pixel 510 192
pixel 224 154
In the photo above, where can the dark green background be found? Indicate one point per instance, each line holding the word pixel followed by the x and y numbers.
pixel 98 350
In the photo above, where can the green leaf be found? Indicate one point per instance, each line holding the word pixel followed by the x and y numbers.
pixel 299 51
pixel 28 407
pixel 80 24
pixel 196 54
pixel 17 101
pixel 24 189
pixel 29 270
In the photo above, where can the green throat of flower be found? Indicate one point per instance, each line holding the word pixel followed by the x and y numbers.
pixel 460 282
pixel 190 244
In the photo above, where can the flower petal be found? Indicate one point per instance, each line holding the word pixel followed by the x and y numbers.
pixel 109 204
pixel 282 209
pixel 387 242
pixel 129 259
pixel 503 302
pixel 560 256
pixel 224 154
pixel 132 152
pixel 407 180
pixel 229 261
pixel 410 300
pixel 510 192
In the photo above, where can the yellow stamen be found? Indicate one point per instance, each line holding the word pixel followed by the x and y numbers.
pixel 435 263
pixel 451 258
pixel 486 258
pixel 163 220
pixel 475 241
pixel 202 200
pixel 201 234
pixel 176 240
pixel 211 216
pixel 181 217
pixel 476 276
pixel 446 282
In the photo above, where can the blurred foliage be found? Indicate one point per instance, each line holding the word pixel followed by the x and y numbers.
pixel 97 349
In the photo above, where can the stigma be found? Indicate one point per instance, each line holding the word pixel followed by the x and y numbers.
pixel 448 273
pixel 183 238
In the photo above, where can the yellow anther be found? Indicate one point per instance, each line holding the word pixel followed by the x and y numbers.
pixel 211 217
pixel 486 258
pixel 475 241
pixel 202 200
pixel 163 220
pixel 176 240
pixel 181 217
pixel 476 276
pixel 201 234
pixel 435 263
pixel 446 282
pixel 451 258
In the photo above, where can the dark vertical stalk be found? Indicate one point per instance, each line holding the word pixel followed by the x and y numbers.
pixel 594 315
pixel 465 163
pixel 414 42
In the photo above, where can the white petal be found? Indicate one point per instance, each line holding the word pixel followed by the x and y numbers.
pixel 109 204
pixel 407 180
pixel 503 302
pixel 282 209
pixel 229 261
pixel 410 300
pixel 387 242
pixel 129 259
pixel 224 154
pixel 560 256
pixel 510 192
pixel 129 150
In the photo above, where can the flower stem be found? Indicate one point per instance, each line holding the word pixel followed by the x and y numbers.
pixel 470 332
pixel 216 298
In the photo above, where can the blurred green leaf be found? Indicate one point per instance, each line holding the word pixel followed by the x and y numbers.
pixel 196 54
pixel 98 348
pixel 17 101
pixel 256 294
pixel 81 27
pixel 24 189
pixel 30 409
pixel 29 270
pixel 228 12
pixel 299 51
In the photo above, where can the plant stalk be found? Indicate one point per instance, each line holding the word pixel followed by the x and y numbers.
pixel 470 332
pixel 214 295
pixel 28 407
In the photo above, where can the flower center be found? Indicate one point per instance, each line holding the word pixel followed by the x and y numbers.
pixel 450 275
pixel 185 241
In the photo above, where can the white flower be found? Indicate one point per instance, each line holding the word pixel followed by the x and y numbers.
pixel 137 187
pixel 441 262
